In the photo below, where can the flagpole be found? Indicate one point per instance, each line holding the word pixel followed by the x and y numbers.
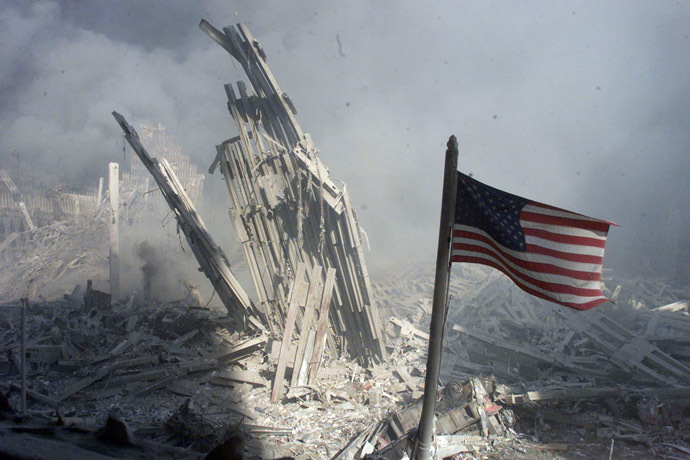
pixel 433 362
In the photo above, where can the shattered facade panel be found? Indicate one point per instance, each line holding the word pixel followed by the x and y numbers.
pixel 161 145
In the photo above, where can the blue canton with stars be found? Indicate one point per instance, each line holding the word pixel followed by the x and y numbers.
pixel 491 210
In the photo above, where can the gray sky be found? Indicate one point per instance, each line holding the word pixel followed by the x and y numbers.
pixel 583 105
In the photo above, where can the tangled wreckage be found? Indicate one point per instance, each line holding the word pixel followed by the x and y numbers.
pixel 305 368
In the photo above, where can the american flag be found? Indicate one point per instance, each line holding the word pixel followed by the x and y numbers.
pixel 548 252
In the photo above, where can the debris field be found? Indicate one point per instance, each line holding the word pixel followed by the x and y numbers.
pixel 182 377
pixel 318 361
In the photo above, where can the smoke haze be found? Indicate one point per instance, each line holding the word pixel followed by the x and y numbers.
pixel 583 105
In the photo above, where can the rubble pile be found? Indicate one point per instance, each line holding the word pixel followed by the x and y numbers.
pixel 41 261
pixel 183 377
pixel 503 331
pixel 622 369
pixel 89 357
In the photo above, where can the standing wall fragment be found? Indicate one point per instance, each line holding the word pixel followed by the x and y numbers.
pixel 286 209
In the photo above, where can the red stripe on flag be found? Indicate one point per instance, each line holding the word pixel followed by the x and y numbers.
pixel 576 306
pixel 567 239
pixel 545 268
pixel 554 208
pixel 564 221
pixel 553 287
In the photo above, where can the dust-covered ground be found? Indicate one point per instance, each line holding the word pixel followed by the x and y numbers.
pixel 169 371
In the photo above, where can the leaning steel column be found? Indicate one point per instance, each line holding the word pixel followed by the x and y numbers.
pixel 114 189
pixel 433 362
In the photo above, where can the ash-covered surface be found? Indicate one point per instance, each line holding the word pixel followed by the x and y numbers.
pixel 170 371
pixel 183 379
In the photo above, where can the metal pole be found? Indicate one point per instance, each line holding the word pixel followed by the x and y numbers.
pixel 25 303
pixel 114 188
pixel 433 363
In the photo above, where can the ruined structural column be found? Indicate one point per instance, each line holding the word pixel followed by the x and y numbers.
pixel 99 198
pixel 114 189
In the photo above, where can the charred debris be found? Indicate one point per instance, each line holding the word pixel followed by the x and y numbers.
pixel 304 368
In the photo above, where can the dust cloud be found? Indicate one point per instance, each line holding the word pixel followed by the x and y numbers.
pixel 580 105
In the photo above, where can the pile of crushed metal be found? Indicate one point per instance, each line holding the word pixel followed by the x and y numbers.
pixel 574 380
pixel 145 379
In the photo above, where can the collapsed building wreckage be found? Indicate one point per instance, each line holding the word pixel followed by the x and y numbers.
pixel 633 372
pixel 287 210
pixel 299 232
pixel 301 240
pixel 183 377
pixel 57 237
